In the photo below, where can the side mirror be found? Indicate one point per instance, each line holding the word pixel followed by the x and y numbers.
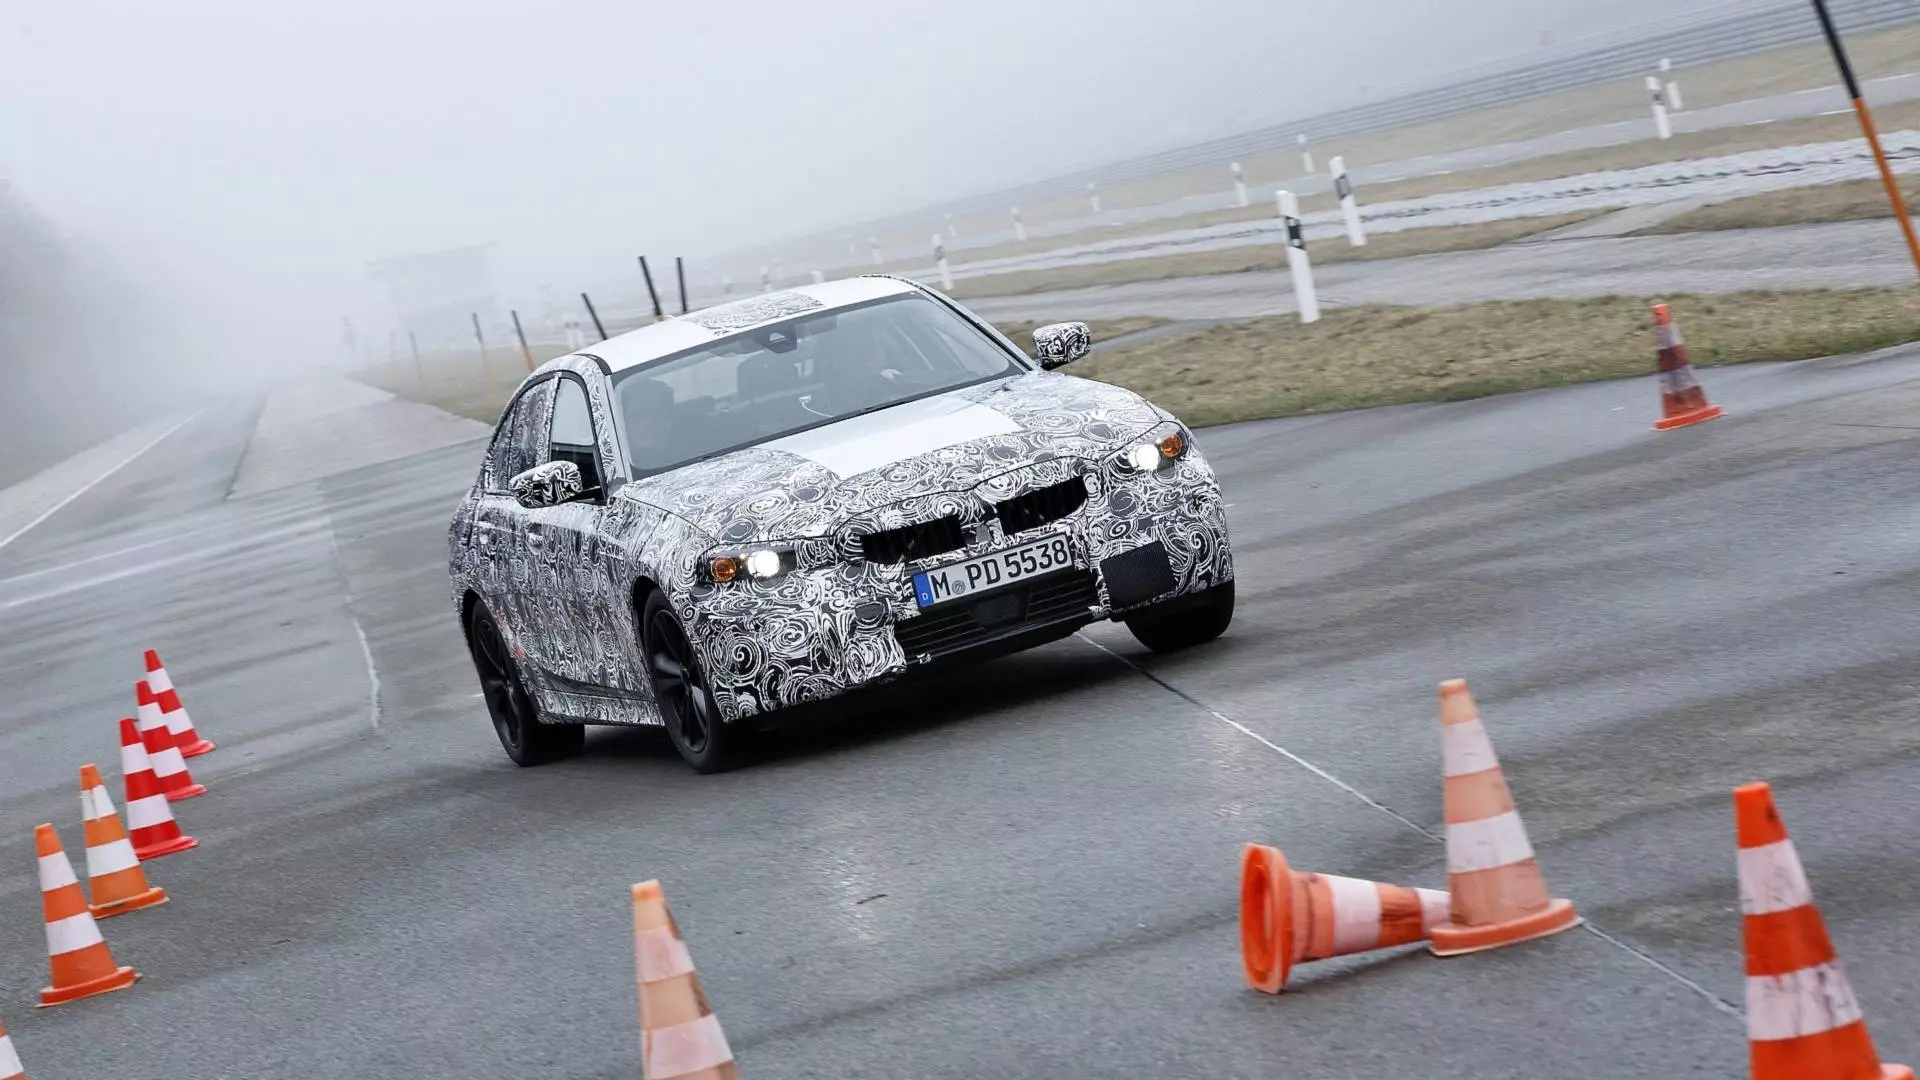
pixel 551 484
pixel 1061 343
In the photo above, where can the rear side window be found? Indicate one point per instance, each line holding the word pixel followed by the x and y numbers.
pixel 520 443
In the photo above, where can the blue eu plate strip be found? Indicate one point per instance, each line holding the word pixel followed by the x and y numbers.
pixel 922 591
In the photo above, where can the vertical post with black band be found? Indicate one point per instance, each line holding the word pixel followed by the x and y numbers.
pixel 1349 206
pixel 1297 265
pixel 1866 127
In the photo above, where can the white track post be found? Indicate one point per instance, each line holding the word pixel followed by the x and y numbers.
pixel 766 280
pixel 1660 123
pixel 1019 227
pixel 1297 265
pixel 1306 155
pixel 1349 206
pixel 873 242
pixel 1239 185
pixel 818 277
pixel 1093 196
pixel 940 261
pixel 1673 85
pixel 952 233
pixel 726 287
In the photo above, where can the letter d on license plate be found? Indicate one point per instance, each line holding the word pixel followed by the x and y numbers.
pixel 960 579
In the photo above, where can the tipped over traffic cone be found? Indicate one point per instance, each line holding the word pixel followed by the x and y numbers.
pixel 178 722
pixel 1683 400
pixel 1289 917
pixel 10 1067
pixel 81 962
pixel 1803 1022
pixel 168 765
pixel 149 818
pixel 1499 895
pixel 115 882
pixel 679 1035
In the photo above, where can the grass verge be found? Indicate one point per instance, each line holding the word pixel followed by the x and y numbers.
pixel 458 382
pixel 1329 248
pixel 1380 355
pixel 1854 200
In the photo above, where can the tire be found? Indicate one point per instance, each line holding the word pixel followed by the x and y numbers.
pixel 1186 621
pixel 687 707
pixel 526 738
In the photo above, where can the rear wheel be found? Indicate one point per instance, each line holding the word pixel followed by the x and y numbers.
pixel 1184 622
pixel 686 704
pixel 516 719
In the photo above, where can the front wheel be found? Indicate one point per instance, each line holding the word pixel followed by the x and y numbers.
pixel 680 688
pixel 516 719
pixel 1186 621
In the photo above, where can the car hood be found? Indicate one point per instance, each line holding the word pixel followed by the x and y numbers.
pixel 882 466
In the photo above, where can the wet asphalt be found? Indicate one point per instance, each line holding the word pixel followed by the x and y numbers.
pixel 1025 868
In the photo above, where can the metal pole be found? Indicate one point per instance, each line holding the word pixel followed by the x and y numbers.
pixel 486 369
pixel 652 294
pixel 1866 126
pixel 522 335
pixel 419 369
pixel 680 272
pixel 594 315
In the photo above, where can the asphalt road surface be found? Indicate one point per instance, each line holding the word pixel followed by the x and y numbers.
pixel 1026 868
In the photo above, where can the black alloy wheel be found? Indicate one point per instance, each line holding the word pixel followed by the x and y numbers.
pixel 687 707
pixel 516 719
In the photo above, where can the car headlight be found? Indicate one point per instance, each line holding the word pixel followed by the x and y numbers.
pixel 1160 448
pixel 760 563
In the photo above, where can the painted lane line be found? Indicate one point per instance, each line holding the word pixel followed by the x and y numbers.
pixel 91 484
pixel 1713 999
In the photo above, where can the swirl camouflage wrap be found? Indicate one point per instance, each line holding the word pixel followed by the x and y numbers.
pixel 798 566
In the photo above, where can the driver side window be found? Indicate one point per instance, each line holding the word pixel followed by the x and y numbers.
pixel 572 438
pixel 521 440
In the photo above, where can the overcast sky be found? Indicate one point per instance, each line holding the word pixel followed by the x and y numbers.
pixel 250 158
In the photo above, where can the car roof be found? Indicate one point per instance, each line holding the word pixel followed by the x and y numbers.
pixel 681 332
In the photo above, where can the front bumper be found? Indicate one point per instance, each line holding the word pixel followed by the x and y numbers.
pixel 812 634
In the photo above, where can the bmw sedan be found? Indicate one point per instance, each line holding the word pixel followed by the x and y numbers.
pixel 774 501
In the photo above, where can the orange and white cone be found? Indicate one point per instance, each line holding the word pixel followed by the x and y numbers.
pixel 679 1035
pixel 1683 400
pixel 10 1067
pixel 115 882
pixel 1499 895
pixel 1803 1022
pixel 81 962
pixel 150 821
pixel 178 722
pixel 168 765
pixel 1289 917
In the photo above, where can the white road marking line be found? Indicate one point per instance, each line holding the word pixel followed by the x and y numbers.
pixel 91 484
pixel 1713 999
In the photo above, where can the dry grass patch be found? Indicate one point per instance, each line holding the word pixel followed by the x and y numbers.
pixel 1854 200
pixel 1381 355
pixel 1331 247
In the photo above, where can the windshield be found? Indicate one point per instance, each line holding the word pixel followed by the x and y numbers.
pixel 789 376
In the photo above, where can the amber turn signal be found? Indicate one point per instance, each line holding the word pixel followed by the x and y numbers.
pixel 1173 445
pixel 724 568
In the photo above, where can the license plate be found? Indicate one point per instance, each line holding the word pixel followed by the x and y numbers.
pixel 960 579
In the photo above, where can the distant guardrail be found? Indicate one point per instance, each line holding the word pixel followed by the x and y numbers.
pixel 1689 39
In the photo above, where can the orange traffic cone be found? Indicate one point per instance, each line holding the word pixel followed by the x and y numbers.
pixel 149 818
pixel 82 965
pixel 168 765
pixel 115 882
pixel 10 1067
pixel 1803 1022
pixel 679 1035
pixel 1499 895
pixel 1683 400
pixel 178 722
pixel 1289 917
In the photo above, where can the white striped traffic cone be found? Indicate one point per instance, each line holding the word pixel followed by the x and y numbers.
pixel 82 965
pixel 149 818
pixel 168 765
pixel 178 722
pixel 10 1067
pixel 1803 1022
pixel 1499 895
pixel 1289 917
pixel 115 882
pixel 680 1038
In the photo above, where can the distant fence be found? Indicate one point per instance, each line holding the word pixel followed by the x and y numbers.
pixel 1689 38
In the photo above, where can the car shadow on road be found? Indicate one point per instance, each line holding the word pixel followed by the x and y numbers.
pixel 992 692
